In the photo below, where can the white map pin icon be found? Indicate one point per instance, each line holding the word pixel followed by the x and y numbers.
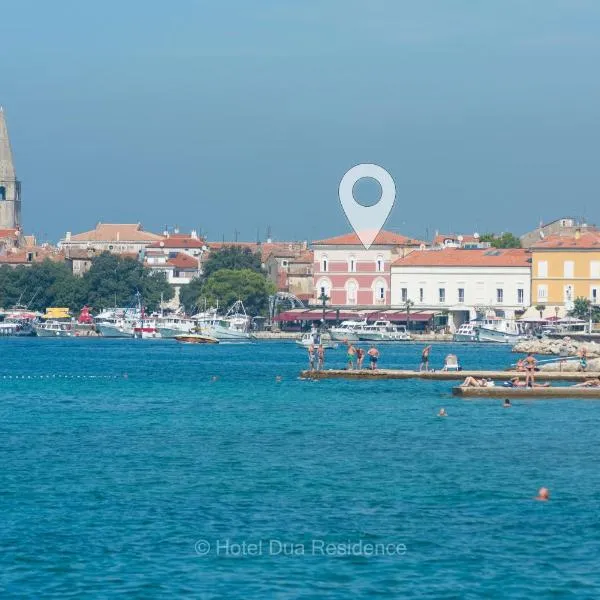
pixel 367 221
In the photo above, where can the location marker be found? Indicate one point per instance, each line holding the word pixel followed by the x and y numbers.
pixel 367 221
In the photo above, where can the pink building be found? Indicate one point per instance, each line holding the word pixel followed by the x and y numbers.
pixel 349 275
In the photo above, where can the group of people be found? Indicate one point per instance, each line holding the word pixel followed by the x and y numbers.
pixel 316 357
pixel 356 355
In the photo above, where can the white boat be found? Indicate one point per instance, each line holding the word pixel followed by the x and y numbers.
pixel 314 338
pixel 500 330
pixel 117 327
pixel 171 326
pixel 345 331
pixel 383 331
pixel 146 329
pixel 54 328
pixel 233 327
pixel 467 332
pixel 16 327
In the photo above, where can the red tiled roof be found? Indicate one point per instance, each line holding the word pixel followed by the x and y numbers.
pixel 265 249
pixel 457 257
pixel 590 239
pixel 183 261
pixel 179 242
pixel 116 232
pixel 306 257
pixel 9 233
pixel 384 238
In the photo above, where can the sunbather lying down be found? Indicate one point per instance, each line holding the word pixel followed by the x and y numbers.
pixel 516 382
pixel 588 383
pixel 473 382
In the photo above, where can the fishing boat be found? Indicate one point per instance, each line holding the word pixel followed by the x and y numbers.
pixel 55 328
pixel 115 326
pixel 345 331
pixel 18 322
pixel 467 332
pixel 383 331
pixel 315 338
pixel 500 330
pixel 173 325
pixel 233 327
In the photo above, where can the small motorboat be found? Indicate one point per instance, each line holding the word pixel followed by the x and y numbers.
pixel 196 338
pixel 316 339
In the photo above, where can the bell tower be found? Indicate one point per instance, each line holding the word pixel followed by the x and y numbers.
pixel 10 186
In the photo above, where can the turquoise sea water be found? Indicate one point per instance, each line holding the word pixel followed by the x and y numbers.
pixel 167 484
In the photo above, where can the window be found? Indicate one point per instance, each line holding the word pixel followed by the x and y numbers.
pixel 351 288
pixel 352 265
pixel 568 293
pixel 421 294
pixel 542 292
pixel 284 263
pixel 569 268
pixel 594 295
pixel 381 292
pixel 404 294
pixel 520 296
pixel 379 264
pixel 595 269
pixel 461 295
pixel 543 268
pixel 442 295
pixel 2 192
pixel 499 295
pixel 324 264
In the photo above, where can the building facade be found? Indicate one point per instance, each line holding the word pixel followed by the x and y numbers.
pixel 349 275
pixel 117 238
pixel 463 282
pixel 10 186
pixel 565 267
pixel 565 226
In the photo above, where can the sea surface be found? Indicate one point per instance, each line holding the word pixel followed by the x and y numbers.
pixel 149 469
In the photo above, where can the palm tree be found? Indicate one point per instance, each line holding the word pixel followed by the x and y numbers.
pixel 541 308
pixel 407 306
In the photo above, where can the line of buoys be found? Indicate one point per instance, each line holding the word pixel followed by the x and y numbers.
pixel 60 376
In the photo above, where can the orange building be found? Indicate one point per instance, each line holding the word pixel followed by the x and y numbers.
pixel 565 267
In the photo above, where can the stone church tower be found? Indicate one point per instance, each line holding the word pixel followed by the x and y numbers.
pixel 10 187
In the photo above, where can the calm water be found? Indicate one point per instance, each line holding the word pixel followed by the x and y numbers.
pixel 118 486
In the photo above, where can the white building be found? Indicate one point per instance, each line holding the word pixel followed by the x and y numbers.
pixel 463 282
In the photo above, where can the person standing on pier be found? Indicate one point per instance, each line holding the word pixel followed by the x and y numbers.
pixel 373 356
pixel 320 357
pixel 311 357
pixel 360 357
pixel 583 363
pixel 425 359
pixel 530 363
pixel 351 355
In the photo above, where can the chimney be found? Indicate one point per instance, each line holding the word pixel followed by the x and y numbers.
pixel 194 234
pixel 68 236
pixel 577 233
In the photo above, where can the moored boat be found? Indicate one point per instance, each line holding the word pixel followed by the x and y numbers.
pixel 315 338
pixel 345 331
pixel 55 328
pixel 383 331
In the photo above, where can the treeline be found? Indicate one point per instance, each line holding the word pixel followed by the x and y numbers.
pixel 111 281
pixel 229 274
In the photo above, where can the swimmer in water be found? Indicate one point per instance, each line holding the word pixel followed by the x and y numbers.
pixel 278 379
pixel 507 403
pixel 543 494
pixel 442 413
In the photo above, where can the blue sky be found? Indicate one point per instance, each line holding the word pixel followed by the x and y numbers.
pixel 237 115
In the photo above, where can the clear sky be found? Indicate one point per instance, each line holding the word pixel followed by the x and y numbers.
pixel 232 115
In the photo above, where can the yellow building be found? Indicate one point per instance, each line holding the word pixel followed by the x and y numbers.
pixel 564 268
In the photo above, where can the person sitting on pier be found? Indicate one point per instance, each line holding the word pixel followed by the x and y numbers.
pixel 373 356
pixel 595 382
pixel 520 365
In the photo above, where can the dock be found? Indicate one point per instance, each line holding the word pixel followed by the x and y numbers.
pixel 367 374
pixel 527 393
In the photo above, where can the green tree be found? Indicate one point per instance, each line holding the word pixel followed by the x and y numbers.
pixel 191 295
pixel 232 257
pixel 540 308
pixel 115 280
pixel 228 285
pixel 581 310
pixel 504 240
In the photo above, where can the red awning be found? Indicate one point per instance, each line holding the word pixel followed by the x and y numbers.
pixel 316 315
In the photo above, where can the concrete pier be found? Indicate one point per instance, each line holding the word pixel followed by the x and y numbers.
pixel 367 374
